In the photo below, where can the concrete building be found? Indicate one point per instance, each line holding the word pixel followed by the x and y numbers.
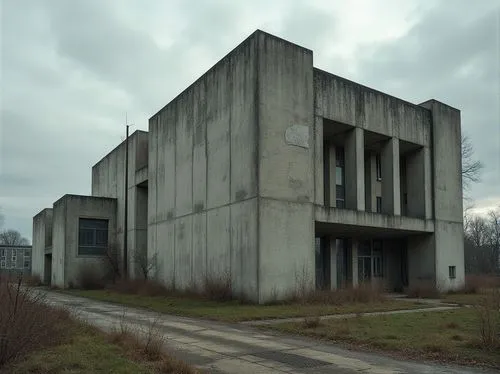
pixel 15 259
pixel 279 175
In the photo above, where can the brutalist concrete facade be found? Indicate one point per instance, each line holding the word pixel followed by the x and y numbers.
pixel 280 175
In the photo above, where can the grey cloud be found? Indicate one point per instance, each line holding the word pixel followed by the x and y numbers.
pixel 452 55
pixel 70 70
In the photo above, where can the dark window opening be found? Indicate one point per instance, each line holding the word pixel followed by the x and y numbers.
pixel 323 271
pixel 339 178
pixel 378 166
pixel 378 260
pixel 93 237
pixel 452 271
pixel 379 204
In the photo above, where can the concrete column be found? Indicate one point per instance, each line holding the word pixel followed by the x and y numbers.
pixel 333 263
pixel 428 183
pixel 391 189
pixel 332 170
pixel 368 184
pixel 354 251
pixel 355 169
pixel 319 183
pixel 447 195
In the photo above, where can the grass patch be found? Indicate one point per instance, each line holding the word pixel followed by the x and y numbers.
pixel 38 338
pixel 234 311
pixel 466 299
pixel 85 351
pixel 452 336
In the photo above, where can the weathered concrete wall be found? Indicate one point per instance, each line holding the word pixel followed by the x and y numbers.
pixel 59 243
pixel 286 158
pixel 66 262
pixel 108 180
pixel 286 248
pixel 348 102
pixel 42 238
pixel 202 207
pixel 447 192
pixel 421 260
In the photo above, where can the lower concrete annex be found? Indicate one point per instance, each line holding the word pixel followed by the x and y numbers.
pixel 272 172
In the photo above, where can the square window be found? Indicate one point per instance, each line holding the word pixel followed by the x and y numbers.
pixel 93 237
pixel 452 271
pixel 26 264
pixel 2 264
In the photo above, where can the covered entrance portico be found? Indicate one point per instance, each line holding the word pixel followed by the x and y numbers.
pixel 347 255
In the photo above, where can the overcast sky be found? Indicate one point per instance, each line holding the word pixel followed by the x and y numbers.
pixel 70 70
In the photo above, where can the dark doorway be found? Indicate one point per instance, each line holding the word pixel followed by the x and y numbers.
pixel 404 264
pixel 47 271
pixel 322 256
pixel 344 263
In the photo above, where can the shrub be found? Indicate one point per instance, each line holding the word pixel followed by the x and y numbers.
pixel 141 287
pixel 488 311
pixel 424 290
pixel 148 346
pixel 311 322
pixel 26 322
pixel 218 288
pixel 32 280
pixel 479 283
pixel 90 277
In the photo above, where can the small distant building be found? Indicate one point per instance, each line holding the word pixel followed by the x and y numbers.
pixel 15 259
pixel 279 175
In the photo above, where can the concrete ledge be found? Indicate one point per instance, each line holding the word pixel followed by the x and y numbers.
pixel 366 220
pixel 141 175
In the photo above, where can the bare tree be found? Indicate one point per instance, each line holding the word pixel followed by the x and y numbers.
pixel 12 237
pixel 494 220
pixel 2 218
pixel 112 260
pixel 146 265
pixel 471 167
pixel 482 243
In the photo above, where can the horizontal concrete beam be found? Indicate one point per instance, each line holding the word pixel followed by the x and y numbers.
pixel 347 217
pixel 141 175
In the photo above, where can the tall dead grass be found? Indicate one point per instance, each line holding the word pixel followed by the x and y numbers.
pixel 147 345
pixel 214 288
pixel 488 312
pixel 27 323
pixel 475 284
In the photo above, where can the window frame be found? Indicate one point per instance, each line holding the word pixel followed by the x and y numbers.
pixel 340 188
pixel 88 228
pixel 452 271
